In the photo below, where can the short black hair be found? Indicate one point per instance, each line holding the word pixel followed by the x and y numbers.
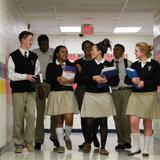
pixel 121 46
pixel 86 41
pixel 24 34
pixel 42 37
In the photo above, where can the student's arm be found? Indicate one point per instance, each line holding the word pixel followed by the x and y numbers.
pixel 51 76
pixel 14 76
pixel 156 80
pixel 11 72
pixel 129 63
pixel 37 67
pixel 85 77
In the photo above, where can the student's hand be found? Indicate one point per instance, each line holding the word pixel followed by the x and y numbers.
pixel 79 67
pixel 59 79
pixel 99 79
pixel 136 80
pixel 140 84
pixel 40 92
pixel 31 78
pixel 66 81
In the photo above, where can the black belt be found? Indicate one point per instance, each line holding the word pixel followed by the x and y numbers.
pixel 123 88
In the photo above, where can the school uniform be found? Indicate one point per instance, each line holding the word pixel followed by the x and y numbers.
pixel 20 63
pixel 143 102
pixel 44 59
pixel 121 94
pixel 97 101
pixel 80 90
pixel 61 99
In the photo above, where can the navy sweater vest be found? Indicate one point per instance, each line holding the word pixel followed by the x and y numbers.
pixel 23 66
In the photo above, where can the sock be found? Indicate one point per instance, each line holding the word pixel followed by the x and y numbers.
pixel 68 130
pixel 147 142
pixel 60 134
pixel 135 142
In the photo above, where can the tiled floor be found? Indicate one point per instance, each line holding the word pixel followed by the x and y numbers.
pixel 47 152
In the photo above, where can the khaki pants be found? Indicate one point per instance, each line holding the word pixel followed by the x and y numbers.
pixel 23 117
pixel 40 105
pixel 122 121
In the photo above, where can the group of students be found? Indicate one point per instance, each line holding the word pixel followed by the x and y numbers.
pixel 127 100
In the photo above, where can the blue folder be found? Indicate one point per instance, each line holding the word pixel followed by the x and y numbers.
pixel 132 73
pixel 70 68
pixel 110 72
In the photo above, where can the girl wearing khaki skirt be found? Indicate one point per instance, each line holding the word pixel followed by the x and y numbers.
pixel 97 103
pixel 143 102
pixel 61 101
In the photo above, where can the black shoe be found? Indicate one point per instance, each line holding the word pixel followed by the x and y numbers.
pixel 145 154
pixel 37 146
pixel 81 146
pixel 120 147
pixel 56 143
pixel 127 145
pixel 133 153
pixel 96 142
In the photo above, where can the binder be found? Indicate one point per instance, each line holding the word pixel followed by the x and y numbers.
pixel 132 73
pixel 108 72
pixel 69 72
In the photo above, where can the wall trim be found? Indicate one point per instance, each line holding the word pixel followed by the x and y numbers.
pixel 80 131
pixel 6 148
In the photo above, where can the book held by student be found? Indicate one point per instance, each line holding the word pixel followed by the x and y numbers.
pixel 69 72
pixel 108 72
pixel 132 73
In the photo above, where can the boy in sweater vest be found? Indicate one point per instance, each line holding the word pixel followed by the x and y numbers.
pixel 23 66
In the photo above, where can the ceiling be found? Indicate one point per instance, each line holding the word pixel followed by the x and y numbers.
pixel 46 16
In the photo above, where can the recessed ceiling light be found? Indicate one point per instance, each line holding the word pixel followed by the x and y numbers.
pixel 127 29
pixel 71 29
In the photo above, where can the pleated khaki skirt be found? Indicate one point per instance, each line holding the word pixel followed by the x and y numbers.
pixel 97 105
pixel 61 102
pixel 144 105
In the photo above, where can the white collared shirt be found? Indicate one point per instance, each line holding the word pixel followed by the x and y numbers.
pixel 57 62
pixel 144 62
pixel 23 51
pixel 101 61
pixel 122 72
pixel 14 76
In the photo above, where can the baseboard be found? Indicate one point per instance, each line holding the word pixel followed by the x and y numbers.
pixel 79 131
pixel 6 148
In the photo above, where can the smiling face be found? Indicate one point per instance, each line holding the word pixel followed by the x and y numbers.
pixel 87 49
pixel 138 53
pixel 95 52
pixel 44 46
pixel 62 54
pixel 27 42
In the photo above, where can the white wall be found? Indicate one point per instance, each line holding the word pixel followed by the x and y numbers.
pixel 73 44
pixel 11 24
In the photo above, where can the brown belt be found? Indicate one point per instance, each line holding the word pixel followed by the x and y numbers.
pixel 123 88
